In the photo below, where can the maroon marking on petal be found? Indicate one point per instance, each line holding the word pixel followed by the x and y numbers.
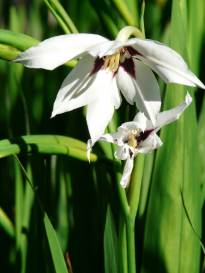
pixel 99 62
pixel 133 51
pixel 129 66
pixel 144 135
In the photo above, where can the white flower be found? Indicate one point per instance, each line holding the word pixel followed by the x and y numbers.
pixel 106 68
pixel 139 136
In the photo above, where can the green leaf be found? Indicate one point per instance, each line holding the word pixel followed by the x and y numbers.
pixel 110 244
pixel 201 146
pixel 56 252
pixel 167 228
pixel 61 16
pixel 45 144
pixel 17 40
pixel 6 224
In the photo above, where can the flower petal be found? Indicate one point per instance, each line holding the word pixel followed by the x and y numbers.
pixel 107 137
pixel 143 90
pixel 78 88
pixel 149 144
pixel 55 51
pixel 127 172
pixel 104 49
pixel 122 152
pixel 171 115
pixel 166 62
pixel 98 117
pixel 100 111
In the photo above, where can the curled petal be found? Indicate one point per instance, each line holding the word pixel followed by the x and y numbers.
pixel 151 143
pixel 166 62
pixel 173 114
pixel 123 152
pixel 56 51
pixel 127 172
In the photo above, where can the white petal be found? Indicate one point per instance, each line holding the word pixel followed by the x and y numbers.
pixel 123 151
pixel 171 115
pixel 100 111
pixel 141 120
pixel 103 49
pixel 78 88
pixel 127 172
pixel 133 125
pixel 55 51
pixel 89 148
pixel 149 144
pixel 166 62
pixel 107 137
pixel 143 90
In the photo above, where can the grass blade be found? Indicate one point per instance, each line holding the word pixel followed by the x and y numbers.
pixel 110 244
pixel 56 252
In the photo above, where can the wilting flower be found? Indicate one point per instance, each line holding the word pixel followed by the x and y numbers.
pixel 139 136
pixel 106 68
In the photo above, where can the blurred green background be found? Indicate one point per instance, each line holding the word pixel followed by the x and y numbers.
pixel 75 194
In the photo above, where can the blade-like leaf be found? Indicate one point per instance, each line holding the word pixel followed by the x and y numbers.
pixel 176 169
pixel 56 252
pixel 110 244
pixel 6 224
pixel 61 16
pixel 45 144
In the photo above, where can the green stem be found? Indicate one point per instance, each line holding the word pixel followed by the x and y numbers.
pixel 135 185
pixel 123 198
pixel 133 201
pixel 130 228
pixel 122 245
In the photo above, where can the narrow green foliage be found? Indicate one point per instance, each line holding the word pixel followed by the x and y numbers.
pixel 55 249
pixel 201 146
pixel 17 40
pixel 45 144
pixel 167 227
pixel 110 244
pixel 124 11
pixel 8 53
pixel 6 224
pixel 61 16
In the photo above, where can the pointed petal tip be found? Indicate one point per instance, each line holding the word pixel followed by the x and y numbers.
pixel 188 99
pixel 124 183
pixel 196 82
pixel 89 148
pixel 53 114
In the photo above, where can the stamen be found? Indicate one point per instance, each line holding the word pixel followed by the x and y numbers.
pixel 132 141
pixel 112 62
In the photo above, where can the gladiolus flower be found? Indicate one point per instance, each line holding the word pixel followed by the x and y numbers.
pixel 107 68
pixel 139 136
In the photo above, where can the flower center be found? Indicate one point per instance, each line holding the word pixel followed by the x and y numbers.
pixel 132 138
pixel 122 57
pixel 112 62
